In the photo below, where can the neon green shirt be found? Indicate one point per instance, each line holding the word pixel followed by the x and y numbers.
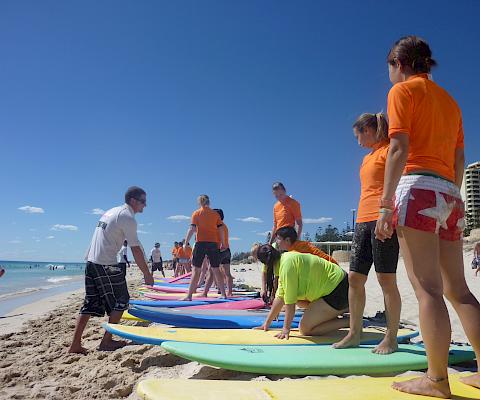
pixel 306 277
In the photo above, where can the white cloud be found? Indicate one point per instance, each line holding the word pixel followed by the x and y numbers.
pixel 234 238
pixel 60 227
pixel 263 233
pixel 250 219
pixel 15 241
pixel 320 220
pixel 50 237
pixel 141 224
pixel 142 232
pixel 32 210
pixel 178 218
pixel 97 211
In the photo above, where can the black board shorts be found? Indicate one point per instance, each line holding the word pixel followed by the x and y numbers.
pixel 366 249
pixel 105 289
pixel 157 266
pixel 209 249
pixel 338 299
pixel 225 257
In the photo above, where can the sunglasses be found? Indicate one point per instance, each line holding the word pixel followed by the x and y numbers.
pixel 143 201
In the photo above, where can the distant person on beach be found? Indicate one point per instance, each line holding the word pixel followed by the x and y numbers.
pixel 174 258
pixel 2 271
pixel 156 258
pixel 286 211
pixel 225 260
pixel 208 227
pixel 476 259
pixel 311 282
pixel 371 132
pixel 105 284
pixel 421 196
pixel 123 253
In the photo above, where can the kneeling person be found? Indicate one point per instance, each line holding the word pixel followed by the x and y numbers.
pixel 312 282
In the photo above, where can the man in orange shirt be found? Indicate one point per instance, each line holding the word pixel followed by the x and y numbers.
pixel 174 258
pixel 208 227
pixel 286 211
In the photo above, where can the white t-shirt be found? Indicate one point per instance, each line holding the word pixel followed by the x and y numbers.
pixel 115 226
pixel 156 255
pixel 122 254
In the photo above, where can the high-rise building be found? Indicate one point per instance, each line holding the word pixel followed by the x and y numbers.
pixel 471 194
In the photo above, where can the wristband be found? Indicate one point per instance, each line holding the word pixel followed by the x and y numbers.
pixel 385 211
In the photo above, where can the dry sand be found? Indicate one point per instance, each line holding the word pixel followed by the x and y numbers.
pixel 34 363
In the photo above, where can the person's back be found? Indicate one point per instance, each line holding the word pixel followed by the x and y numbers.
pixel 307 276
pixel 286 212
pixel 207 222
pixel 434 124
pixel 302 246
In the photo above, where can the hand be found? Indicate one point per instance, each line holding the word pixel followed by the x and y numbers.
pixel 384 227
pixel 148 279
pixel 284 334
pixel 262 327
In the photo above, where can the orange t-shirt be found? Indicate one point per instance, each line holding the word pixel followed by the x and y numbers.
pixel 207 222
pixel 188 252
pixel 225 233
pixel 286 213
pixel 174 251
pixel 183 253
pixel 432 120
pixel 372 174
pixel 301 246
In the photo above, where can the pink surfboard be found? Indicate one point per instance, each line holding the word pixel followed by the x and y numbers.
pixel 232 305
pixel 173 280
pixel 174 289
pixel 159 296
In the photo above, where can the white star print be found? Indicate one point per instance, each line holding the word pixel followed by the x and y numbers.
pixel 440 213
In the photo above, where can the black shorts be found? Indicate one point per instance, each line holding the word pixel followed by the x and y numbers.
pixel 209 249
pixel 366 249
pixel 105 290
pixel 338 299
pixel 157 266
pixel 225 257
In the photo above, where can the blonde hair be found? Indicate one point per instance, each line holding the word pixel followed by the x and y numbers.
pixel 377 121
pixel 254 250
pixel 203 200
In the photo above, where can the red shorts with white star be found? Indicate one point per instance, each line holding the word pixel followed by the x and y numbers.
pixel 430 204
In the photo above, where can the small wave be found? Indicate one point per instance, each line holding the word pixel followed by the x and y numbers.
pixel 60 279
pixel 20 292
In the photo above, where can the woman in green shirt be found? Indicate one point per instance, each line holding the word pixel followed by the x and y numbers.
pixel 311 282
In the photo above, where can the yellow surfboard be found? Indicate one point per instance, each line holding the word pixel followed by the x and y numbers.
pixel 126 315
pixel 314 389
pixel 157 335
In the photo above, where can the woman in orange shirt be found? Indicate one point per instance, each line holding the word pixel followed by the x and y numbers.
pixel 421 196
pixel 371 131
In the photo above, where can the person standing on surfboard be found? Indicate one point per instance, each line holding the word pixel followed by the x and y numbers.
pixel 105 284
pixel 421 197
pixel 123 255
pixel 371 131
pixel 208 226
pixel 286 211
pixel 314 283
pixel 156 258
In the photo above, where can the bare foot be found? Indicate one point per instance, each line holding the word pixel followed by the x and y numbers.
pixel 386 346
pixel 112 345
pixel 472 380
pixel 424 387
pixel 351 340
pixel 78 350
pixel 204 294
pixel 187 298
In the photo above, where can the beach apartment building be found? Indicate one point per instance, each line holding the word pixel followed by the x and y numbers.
pixel 471 194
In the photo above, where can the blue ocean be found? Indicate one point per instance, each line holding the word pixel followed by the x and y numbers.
pixel 25 282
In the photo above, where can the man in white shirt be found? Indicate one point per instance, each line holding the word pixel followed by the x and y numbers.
pixel 123 255
pixel 156 258
pixel 105 284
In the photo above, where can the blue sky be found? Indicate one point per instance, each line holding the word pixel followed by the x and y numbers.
pixel 183 98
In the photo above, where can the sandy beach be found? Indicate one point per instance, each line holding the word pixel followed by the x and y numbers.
pixel 34 363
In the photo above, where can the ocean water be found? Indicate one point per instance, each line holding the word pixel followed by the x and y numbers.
pixel 25 282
